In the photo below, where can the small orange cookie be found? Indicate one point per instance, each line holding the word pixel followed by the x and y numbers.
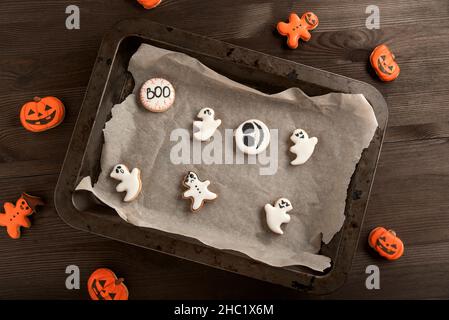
pixel 297 28
pixel 384 63
pixel 103 284
pixel 386 243
pixel 149 4
pixel 42 114
pixel 15 216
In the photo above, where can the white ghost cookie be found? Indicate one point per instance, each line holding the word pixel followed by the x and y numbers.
pixel 252 137
pixel 130 181
pixel 277 215
pixel 197 191
pixel 304 146
pixel 207 126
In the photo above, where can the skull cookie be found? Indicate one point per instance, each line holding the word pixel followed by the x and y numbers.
pixel 252 137
pixel 157 95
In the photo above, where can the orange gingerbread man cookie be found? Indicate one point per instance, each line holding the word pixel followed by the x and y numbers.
pixel 15 216
pixel 297 28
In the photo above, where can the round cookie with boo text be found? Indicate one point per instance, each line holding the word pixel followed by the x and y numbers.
pixel 157 95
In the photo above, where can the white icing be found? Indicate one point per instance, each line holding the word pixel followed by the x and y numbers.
pixel 157 95
pixel 130 181
pixel 198 190
pixel 304 146
pixel 207 126
pixel 277 214
pixel 252 137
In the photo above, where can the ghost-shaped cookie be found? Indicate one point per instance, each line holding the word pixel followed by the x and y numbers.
pixel 207 126
pixel 277 214
pixel 304 146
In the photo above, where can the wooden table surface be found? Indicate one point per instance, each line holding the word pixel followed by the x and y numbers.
pixel 39 56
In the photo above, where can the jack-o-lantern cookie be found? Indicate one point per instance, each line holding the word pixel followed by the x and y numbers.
pixel 198 191
pixel 384 63
pixel 42 114
pixel 149 4
pixel 298 28
pixel 103 284
pixel 157 95
pixel 15 216
pixel 386 243
pixel 252 137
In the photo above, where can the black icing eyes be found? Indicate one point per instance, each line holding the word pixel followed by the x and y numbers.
pixel 31 112
pixel 192 176
pixel 23 202
pixel 47 108
pixel 207 111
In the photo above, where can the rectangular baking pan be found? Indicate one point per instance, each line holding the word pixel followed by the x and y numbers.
pixel 110 83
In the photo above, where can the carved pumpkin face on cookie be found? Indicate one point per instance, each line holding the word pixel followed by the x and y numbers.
pixel 384 63
pixel 386 243
pixel 103 284
pixel 42 114
pixel 311 20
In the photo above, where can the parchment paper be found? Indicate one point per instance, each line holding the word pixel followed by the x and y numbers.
pixel 344 125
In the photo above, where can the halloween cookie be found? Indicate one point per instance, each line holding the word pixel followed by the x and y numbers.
pixel 15 216
pixel 252 137
pixel 129 181
pixel 207 126
pixel 157 95
pixel 42 114
pixel 103 284
pixel 304 146
pixel 277 214
pixel 149 4
pixel 384 63
pixel 298 28
pixel 198 191
pixel 386 243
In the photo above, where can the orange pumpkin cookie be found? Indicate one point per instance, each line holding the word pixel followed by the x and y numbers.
pixel 384 63
pixel 42 114
pixel 15 216
pixel 297 28
pixel 386 243
pixel 149 4
pixel 103 284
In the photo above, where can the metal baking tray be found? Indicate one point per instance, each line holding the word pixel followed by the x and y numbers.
pixel 110 83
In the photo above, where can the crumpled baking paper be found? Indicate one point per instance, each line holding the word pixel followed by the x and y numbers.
pixel 344 125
